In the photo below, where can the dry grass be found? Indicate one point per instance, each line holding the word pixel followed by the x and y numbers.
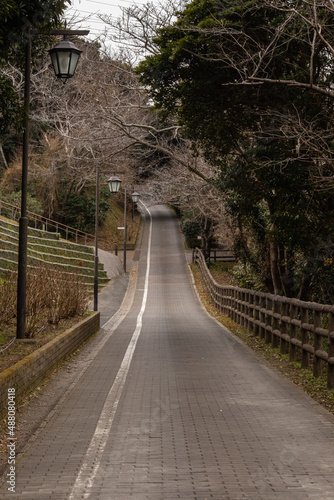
pixel 55 302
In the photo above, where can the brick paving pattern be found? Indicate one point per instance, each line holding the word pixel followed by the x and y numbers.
pixel 200 416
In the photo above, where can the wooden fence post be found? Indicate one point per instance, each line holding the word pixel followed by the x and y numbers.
pixel 262 316
pixel 318 343
pixel 276 307
pixel 305 361
pixel 293 331
pixel 268 321
pixel 330 372
pixel 284 327
pixel 250 312
pixel 242 308
pixel 256 314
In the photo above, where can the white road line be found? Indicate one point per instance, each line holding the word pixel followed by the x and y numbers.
pixel 91 462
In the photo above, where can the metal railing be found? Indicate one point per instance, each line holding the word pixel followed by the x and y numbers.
pixel 66 232
pixel 305 330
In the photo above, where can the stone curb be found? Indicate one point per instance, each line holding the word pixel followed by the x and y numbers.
pixel 25 375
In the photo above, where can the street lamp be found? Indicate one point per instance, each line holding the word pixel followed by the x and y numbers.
pixel 135 198
pixel 65 57
pixel 114 184
pixel 72 54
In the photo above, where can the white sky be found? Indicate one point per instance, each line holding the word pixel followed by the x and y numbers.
pixel 82 9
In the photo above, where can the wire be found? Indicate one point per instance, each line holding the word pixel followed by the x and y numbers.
pixel 112 5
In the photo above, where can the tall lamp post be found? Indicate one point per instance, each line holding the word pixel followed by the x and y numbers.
pixel 65 57
pixel 114 184
pixel 135 197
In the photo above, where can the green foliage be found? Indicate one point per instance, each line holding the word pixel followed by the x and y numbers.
pixel 190 74
pixel 14 198
pixel 80 211
pixel 266 174
pixel 9 105
pixel 16 18
pixel 244 276
pixel 191 230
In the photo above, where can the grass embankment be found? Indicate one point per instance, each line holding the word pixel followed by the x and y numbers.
pixel 46 328
pixel 315 387
pixel 115 218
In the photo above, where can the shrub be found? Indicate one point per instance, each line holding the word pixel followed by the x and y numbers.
pixel 7 298
pixel 191 230
pixel 52 295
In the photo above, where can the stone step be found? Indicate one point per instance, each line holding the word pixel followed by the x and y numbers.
pixel 86 280
pixel 12 226
pixel 45 247
pixel 73 259
pixel 8 256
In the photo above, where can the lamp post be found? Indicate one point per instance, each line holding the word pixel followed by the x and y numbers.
pixel 114 184
pixel 135 198
pixel 67 59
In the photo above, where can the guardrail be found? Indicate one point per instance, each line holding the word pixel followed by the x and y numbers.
pixel 66 232
pixel 305 330
pixel 221 255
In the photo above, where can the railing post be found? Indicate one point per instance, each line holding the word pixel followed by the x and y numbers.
pixel 330 371
pixel 241 300
pixel 262 317
pixel 305 361
pixel 250 318
pixel 318 345
pixel 284 328
pixel 268 321
pixel 275 339
pixel 256 314
pixel 293 332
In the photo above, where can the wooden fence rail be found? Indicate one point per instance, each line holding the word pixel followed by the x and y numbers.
pixel 305 330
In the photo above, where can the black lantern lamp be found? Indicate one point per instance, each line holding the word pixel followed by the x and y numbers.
pixel 114 184
pixel 65 56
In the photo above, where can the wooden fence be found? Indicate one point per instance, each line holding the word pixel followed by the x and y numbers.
pixel 305 330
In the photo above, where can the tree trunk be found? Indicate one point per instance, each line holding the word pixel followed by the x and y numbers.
pixel 274 268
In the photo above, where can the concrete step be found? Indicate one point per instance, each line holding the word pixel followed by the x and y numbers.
pixel 73 258
pixel 48 248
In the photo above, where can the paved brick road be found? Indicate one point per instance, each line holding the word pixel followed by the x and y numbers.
pixel 173 406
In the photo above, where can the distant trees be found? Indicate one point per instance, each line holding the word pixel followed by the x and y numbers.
pixel 251 84
pixel 16 17
pixel 229 117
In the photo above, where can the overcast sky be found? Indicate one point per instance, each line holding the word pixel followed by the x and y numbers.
pixel 92 8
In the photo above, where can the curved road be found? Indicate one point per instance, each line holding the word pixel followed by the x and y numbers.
pixel 173 406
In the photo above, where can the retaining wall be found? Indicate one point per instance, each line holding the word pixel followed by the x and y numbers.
pixel 28 373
